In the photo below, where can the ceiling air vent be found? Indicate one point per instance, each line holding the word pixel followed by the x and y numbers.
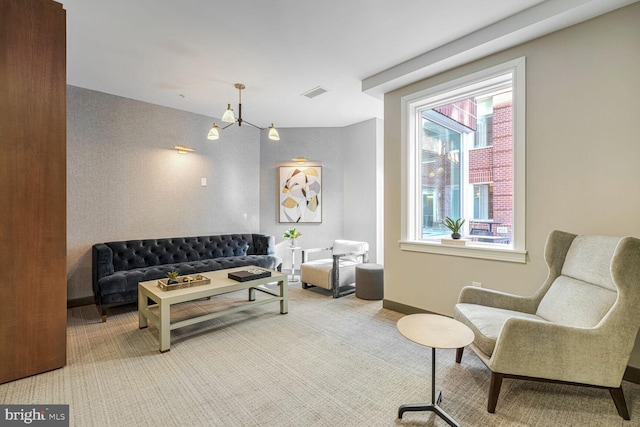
pixel 314 92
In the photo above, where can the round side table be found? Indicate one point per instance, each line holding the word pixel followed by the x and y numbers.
pixel 435 331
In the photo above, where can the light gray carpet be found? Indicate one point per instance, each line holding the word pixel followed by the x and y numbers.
pixel 326 363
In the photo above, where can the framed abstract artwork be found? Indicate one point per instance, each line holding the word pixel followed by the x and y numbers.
pixel 300 194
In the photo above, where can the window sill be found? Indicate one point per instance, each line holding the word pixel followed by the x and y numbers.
pixel 470 250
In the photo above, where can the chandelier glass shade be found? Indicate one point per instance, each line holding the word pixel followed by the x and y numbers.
pixel 229 117
pixel 213 132
pixel 273 133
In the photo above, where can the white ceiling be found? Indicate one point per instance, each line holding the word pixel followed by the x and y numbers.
pixel 188 54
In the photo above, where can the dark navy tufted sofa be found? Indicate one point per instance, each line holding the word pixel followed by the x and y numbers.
pixel 119 266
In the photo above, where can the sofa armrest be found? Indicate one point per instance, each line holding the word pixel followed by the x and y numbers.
pixel 497 299
pixel 263 244
pixel 542 349
pixel 102 263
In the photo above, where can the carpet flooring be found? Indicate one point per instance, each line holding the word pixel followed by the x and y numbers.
pixel 328 362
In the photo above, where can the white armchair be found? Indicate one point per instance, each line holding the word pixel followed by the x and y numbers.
pixel 337 273
pixel 578 328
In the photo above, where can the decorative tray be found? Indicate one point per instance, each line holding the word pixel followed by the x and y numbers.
pixel 184 282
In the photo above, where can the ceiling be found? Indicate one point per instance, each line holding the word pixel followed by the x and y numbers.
pixel 188 54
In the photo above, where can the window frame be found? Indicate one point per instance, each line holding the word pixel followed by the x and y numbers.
pixel 410 164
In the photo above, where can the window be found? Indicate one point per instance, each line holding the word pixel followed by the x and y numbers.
pixel 463 145
pixel 441 172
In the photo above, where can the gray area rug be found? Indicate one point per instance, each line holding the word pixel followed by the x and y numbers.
pixel 327 363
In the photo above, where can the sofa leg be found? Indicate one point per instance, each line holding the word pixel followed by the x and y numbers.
pixel 305 286
pixel 494 391
pixel 103 313
pixel 621 404
pixel 459 352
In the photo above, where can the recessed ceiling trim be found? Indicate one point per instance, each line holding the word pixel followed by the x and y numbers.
pixel 537 21
pixel 316 91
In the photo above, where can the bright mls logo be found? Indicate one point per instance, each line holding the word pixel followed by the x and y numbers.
pixel 38 415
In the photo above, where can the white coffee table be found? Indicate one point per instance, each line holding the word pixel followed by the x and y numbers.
pixel 433 331
pixel 220 284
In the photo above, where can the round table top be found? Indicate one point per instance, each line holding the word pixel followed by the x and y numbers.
pixel 433 330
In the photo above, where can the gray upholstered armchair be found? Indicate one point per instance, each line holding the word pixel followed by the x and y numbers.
pixel 578 328
pixel 337 273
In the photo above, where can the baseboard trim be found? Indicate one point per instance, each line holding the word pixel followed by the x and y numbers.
pixel 79 302
pixel 631 374
pixel 402 308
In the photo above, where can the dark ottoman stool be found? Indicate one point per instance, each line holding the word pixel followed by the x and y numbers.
pixel 369 281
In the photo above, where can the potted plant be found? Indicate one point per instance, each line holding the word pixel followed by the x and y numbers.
pixel 454 226
pixel 292 234
pixel 173 277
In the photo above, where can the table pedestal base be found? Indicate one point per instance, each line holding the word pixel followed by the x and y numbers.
pixel 293 278
pixel 433 407
pixel 435 400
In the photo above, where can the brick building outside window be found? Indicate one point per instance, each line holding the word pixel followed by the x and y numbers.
pixel 467 161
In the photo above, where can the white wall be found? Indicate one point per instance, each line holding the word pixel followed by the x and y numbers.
pixel 581 167
pixel 125 180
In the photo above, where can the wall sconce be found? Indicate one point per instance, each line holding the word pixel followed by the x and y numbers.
pixel 183 150
pixel 300 160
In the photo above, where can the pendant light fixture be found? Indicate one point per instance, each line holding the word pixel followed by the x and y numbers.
pixel 229 117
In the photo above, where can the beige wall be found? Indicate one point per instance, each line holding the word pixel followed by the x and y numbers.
pixel 583 155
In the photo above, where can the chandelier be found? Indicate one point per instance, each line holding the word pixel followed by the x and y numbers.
pixel 229 117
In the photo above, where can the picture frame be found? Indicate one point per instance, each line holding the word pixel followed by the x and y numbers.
pixel 300 194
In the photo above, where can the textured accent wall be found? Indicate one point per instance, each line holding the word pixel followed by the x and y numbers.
pixel 125 180
pixel 323 146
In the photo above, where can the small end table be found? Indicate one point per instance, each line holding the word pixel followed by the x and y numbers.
pixel 435 331
pixel 293 278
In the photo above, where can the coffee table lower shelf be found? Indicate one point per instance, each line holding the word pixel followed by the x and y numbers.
pixel 220 284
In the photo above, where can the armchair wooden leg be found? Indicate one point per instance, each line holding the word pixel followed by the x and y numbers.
pixel 459 352
pixel 494 391
pixel 621 404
